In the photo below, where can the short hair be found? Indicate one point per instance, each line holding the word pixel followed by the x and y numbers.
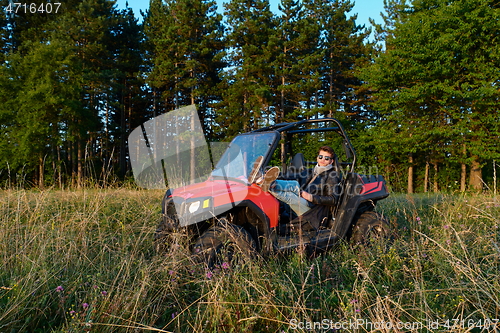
pixel 328 149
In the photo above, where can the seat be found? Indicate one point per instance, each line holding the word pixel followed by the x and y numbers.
pixel 298 163
pixel 297 168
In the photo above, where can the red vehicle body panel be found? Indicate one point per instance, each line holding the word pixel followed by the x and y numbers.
pixel 227 192
pixel 372 187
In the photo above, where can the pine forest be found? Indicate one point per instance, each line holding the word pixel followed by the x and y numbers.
pixel 419 94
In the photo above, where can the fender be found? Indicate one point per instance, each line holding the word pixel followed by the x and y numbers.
pixel 358 189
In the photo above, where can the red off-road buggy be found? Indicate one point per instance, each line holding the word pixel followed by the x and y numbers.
pixel 225 214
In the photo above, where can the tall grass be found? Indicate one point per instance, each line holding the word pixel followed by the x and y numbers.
pixel 83 261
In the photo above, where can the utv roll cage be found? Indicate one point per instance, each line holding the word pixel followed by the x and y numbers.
pixel 287 130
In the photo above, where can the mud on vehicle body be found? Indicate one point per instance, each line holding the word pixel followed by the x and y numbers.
pixel 229 212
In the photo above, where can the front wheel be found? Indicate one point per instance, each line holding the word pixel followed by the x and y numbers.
pixel 224 244
pixel 168 236
pixel 369 227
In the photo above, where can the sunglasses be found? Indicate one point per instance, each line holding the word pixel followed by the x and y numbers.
pixel 327 158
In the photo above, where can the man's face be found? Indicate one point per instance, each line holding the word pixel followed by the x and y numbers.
pixel 324 158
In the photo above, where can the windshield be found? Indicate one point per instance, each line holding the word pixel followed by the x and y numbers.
pixel 237 161
pixel 171 150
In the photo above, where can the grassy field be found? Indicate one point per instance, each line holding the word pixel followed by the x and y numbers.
pixel 83 261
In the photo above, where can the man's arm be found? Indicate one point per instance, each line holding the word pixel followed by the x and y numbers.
pixel 327 192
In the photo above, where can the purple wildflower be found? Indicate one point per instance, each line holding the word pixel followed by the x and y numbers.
pixel 85 305
pixel 59 289
pixel 225 265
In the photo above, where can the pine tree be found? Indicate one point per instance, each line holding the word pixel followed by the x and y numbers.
pixel 38 96
pixel 87 27
pixel 185 38
pixel 250 84
pixel 436 97
pixel 186 41
pixel 343 42
pixel 126 96
pixel 4 31
pixel 60 86
pixel 296 65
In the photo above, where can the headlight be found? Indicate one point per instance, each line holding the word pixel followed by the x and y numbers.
pixel 193 207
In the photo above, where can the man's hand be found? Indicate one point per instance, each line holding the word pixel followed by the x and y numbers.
pixel 307 196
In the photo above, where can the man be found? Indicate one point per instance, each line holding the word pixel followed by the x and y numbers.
pixel 320 187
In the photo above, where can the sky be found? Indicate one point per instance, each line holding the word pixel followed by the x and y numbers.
pixel 364 8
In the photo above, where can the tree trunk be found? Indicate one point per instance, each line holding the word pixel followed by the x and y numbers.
pixel 282 99
pixel 463 175
pixel 105 145
pixel 79 158
pixel 123 144
pixel 59 168
pixel 494 178
pixel 245 112
pixel 41 179
pixel 436 185
pixel 71 162
pixel 476 176
pixel 193 124
pixel 193 153
pixel 410 175
pixel 426 178
pixel 463 178
pixel 330 95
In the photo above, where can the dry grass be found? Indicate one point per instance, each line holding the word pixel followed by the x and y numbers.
pixel 83 261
